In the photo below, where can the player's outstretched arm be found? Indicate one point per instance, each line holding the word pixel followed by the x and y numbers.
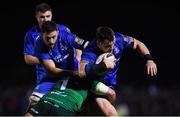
pixel 150 66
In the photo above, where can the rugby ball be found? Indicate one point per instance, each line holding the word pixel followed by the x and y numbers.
pixel 104 55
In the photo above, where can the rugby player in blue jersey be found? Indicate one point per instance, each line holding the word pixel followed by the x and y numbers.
pixel 56 51
pixel 107 40
pixel 43 13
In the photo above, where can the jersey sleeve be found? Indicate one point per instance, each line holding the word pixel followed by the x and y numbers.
pixel 128 40
pixel 75 41
pixel 71 38
pixel 63 28
pixel 43 56
pixel 88 56
pixel 28 44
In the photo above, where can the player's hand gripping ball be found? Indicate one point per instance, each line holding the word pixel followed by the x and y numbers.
pixel 109 60
pixel 105 56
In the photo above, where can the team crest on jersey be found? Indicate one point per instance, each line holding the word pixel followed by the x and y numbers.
pixel 60 58
pixel 35 36
pixel 64 47
pixel 79 40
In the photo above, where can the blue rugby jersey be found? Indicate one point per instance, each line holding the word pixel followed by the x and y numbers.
pixel 92 52
pixel 63 54
pixel 30 39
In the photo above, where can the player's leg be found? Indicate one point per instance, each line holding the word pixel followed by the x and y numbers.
pixel 100 88
pixel 99 106
pixel 106 107
pixel 39 91
pixel 38 109
pixel 105 98
pixel 34 99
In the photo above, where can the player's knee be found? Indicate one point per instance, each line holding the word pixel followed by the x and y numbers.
pixel 111 96
pixel 112 92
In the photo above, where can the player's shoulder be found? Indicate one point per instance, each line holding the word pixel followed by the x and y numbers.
pixel 91 49
pixel 122 37
pixel 62 27
pixel 118 35
pixel 33 29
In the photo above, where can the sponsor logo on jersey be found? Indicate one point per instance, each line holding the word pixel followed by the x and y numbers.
pixel 79 40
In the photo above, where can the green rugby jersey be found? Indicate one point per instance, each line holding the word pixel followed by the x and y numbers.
pixel 70 99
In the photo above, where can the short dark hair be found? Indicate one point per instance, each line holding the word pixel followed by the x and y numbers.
pixel 48 27
pixel 104 32
pixel 42 7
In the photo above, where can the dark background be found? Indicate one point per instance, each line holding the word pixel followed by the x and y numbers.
pixel 154 23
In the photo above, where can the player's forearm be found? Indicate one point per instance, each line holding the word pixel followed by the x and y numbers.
pixel 31 60
pixel 143 51
pixel 95 69
pixel 78 54
pixel 55 71
pixel 61 73
pixel 82 72
pixel 89 69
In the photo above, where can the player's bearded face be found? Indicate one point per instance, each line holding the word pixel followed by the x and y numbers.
pixel 43 17
pixel 106 45
pixel 50 38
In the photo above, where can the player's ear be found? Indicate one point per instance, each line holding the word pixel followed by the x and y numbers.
pixel 57 32
pixel 99 43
